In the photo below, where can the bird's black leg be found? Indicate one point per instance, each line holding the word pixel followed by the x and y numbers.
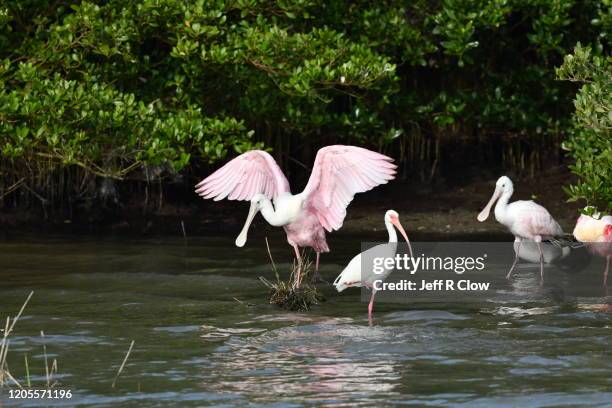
pixel 316 277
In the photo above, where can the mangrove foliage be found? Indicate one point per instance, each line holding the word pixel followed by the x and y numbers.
pixel 103 100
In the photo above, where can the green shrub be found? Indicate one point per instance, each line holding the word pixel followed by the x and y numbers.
pixel 113 88
pixel 590 142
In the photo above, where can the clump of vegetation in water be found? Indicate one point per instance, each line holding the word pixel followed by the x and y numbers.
pixel 589 142
pixel 298 293
pixel 6 378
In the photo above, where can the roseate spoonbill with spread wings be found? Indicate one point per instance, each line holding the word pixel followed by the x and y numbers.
pixel 339 173
pixel 596 233
pixel 357 275
pixel 526 220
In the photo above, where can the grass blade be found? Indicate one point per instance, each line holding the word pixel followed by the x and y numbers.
pixel 123 364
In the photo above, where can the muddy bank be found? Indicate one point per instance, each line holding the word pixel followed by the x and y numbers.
pixel 454 210
pixel 428 212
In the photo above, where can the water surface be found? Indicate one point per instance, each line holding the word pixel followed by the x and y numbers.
pixel 205 335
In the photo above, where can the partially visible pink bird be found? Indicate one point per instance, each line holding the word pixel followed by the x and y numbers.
pixel 596 233
pixel 339 173
pixel 526 220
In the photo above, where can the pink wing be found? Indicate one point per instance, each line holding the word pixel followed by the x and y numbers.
pixel 241 178
pixel 544 224
pixel 338 174
pixel 535 220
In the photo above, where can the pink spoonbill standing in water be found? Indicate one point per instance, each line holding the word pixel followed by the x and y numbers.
pixel 339 172
pixel 526 220
pixel 596 233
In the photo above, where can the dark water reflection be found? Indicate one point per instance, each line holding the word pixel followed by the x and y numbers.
pixel 206 337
